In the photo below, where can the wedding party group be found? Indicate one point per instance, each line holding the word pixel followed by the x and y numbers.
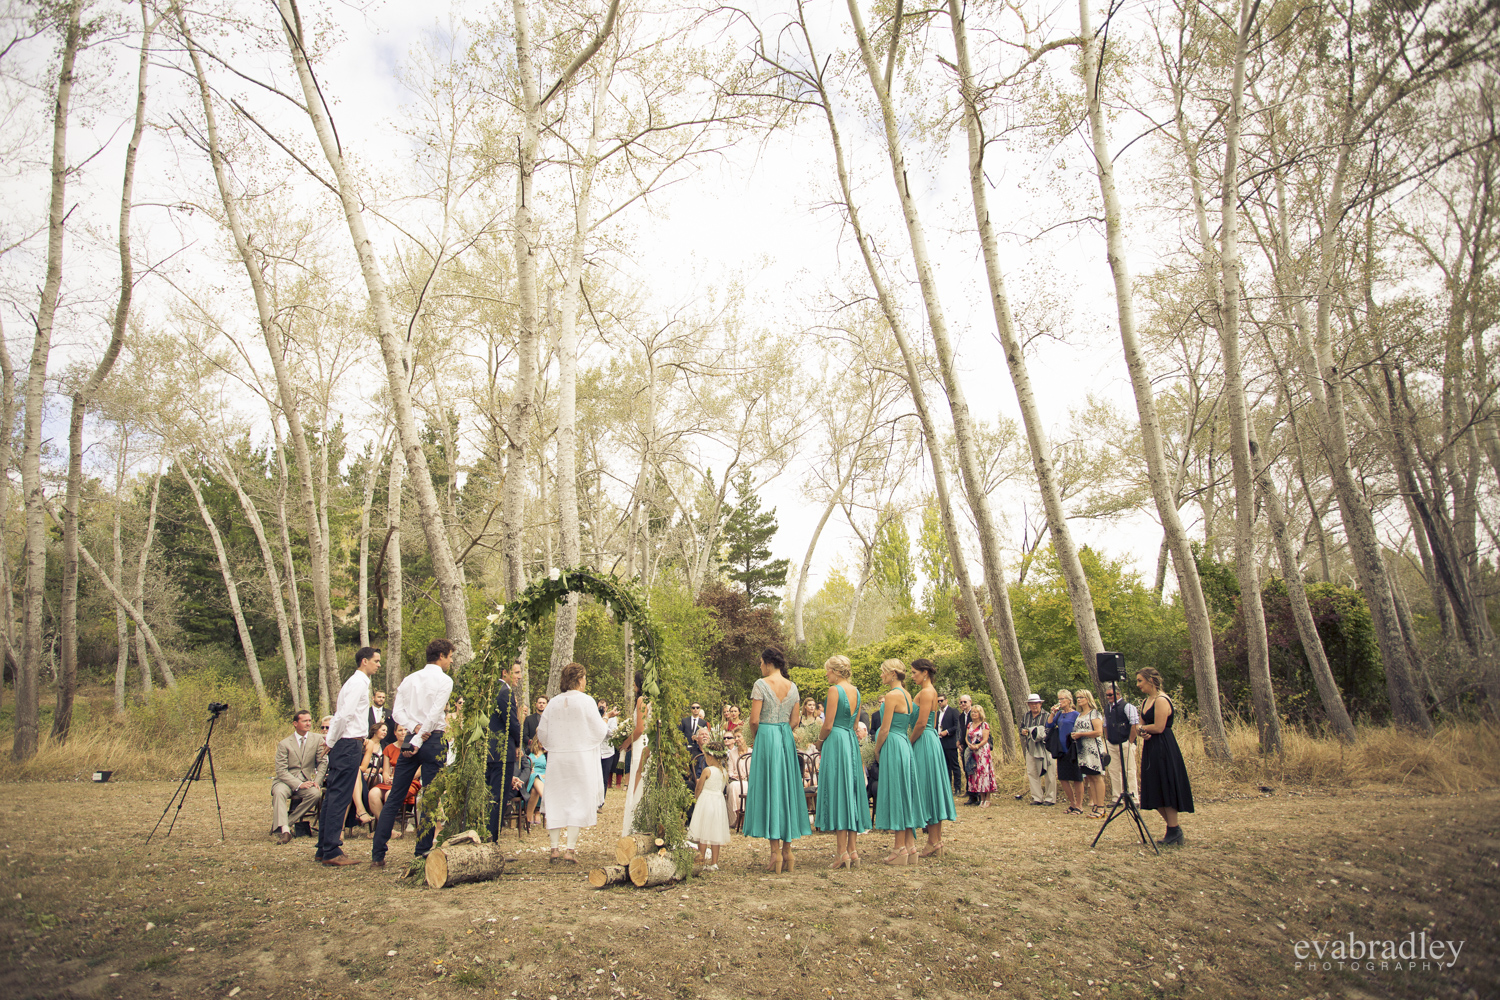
pixel 792 767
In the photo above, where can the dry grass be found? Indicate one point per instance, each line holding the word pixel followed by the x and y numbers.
pixel 156 740
pixel 1456 758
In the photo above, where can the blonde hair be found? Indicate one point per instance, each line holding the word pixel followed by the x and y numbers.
pixel 1085 695
pixel 977 712
pixel 896 667
pixel 840 666
pixel 1064 693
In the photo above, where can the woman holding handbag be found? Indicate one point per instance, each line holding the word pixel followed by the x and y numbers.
pixel 1088 734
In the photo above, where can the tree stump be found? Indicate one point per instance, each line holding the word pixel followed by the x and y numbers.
pixel 609 875
pixel 658 869
pixel 464 859
pixel 634 846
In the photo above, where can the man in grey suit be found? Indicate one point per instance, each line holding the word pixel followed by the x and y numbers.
pixel 299 776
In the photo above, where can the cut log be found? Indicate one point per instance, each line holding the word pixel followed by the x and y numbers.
pixel 658 869
pixel 634 846
pixel 609 875
pixel 462 860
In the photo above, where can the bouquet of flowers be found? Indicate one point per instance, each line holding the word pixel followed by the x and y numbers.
pixel 807 734
pixel 867 751
pixel 620 737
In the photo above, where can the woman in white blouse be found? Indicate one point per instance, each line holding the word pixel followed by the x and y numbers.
pixel 571 730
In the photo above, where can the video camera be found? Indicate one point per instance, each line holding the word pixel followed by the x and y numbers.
pixel 217 708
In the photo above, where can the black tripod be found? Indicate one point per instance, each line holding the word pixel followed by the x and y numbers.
pixel 1126 802
pixel 195 773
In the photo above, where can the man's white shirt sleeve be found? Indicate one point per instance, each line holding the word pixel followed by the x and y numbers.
pixel 351 719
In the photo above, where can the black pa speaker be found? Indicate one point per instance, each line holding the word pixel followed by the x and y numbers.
pixel 1111 666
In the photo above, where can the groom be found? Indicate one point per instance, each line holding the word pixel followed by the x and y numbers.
pixel 500 768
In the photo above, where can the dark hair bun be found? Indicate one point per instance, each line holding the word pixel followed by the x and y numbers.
pixel 775 658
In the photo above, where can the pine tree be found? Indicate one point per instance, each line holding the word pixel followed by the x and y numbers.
pixel 747 537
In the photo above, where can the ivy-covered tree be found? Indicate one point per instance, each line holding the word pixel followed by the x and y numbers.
pixel 747 536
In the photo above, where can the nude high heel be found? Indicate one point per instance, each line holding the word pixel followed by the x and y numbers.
pixel 841 862
pixel 786 854
pixel 896 858
pixel 931 851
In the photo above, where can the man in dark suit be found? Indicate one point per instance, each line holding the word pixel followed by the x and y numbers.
pixel 528 730
pixel 505 742
pixel 872 773
pixel 691 725
pixel 965 703
pixel 948 736
pixel 378 714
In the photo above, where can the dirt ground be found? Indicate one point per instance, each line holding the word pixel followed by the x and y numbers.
pixel 1019 906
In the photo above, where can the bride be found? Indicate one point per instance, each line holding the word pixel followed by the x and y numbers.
pixel 638 753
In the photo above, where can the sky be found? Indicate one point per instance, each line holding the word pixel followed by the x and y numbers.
pixel 757 215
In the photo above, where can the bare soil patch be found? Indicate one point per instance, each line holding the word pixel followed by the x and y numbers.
pixel 1020 906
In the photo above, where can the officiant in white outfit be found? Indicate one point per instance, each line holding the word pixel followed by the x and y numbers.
pixel 571 731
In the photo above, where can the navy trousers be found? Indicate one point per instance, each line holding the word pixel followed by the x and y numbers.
pixel 338 793
pixel 429 760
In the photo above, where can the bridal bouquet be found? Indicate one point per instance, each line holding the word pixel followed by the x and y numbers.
pixel 620 738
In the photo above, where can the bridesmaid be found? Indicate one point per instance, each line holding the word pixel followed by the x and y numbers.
pixel 934 787
pixel 897 808
pixel 843 803
pixel 775 806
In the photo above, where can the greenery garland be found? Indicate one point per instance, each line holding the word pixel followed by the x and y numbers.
pixel 459 798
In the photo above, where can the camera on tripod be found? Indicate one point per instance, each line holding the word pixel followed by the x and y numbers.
pixel 217 708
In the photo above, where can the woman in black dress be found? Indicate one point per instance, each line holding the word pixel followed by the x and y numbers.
pixel 1164 777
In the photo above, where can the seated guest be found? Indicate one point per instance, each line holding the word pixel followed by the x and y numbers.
pixel 537 780
pixel 369 770
pixel 385 765
pixel 299 778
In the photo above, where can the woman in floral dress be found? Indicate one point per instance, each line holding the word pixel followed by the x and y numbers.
pixel 982 781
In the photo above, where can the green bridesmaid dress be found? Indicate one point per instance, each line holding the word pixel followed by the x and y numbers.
pixel 934 791
pixel 843 803
pixel 775 803
pixel 897 806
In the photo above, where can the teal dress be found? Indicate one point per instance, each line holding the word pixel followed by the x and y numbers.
pixel 538 770
pixel 843 803
pixel 897 805
pixel 934 789
pixel 775 803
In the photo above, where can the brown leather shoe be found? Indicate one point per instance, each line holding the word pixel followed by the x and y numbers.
pixel 284 837
pixel 340 861
pixel 377 864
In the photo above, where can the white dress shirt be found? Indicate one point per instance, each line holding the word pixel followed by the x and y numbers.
pixel 352 719
pixel 420 701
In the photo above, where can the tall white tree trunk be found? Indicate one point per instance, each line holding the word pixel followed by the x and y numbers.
pixel 395 665
pixel 289 565
pixel 24 746
pixel 273 580
pixel 444 567
pixel 117 574
pixel 963 424
pixel 799 598
pixel 138 603
pixel 8 658
pixel 1085 620
pixel 328 664
pixel 364 542
pixel 286 392
pixel 231 588
pixel 62 718
pixel 998 692
pixel 1195 608
pixel 566 629
pixel 1323 381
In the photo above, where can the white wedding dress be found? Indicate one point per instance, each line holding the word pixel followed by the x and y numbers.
pixel 636 783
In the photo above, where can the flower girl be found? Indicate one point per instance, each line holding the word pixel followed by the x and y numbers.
pixel 709 828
